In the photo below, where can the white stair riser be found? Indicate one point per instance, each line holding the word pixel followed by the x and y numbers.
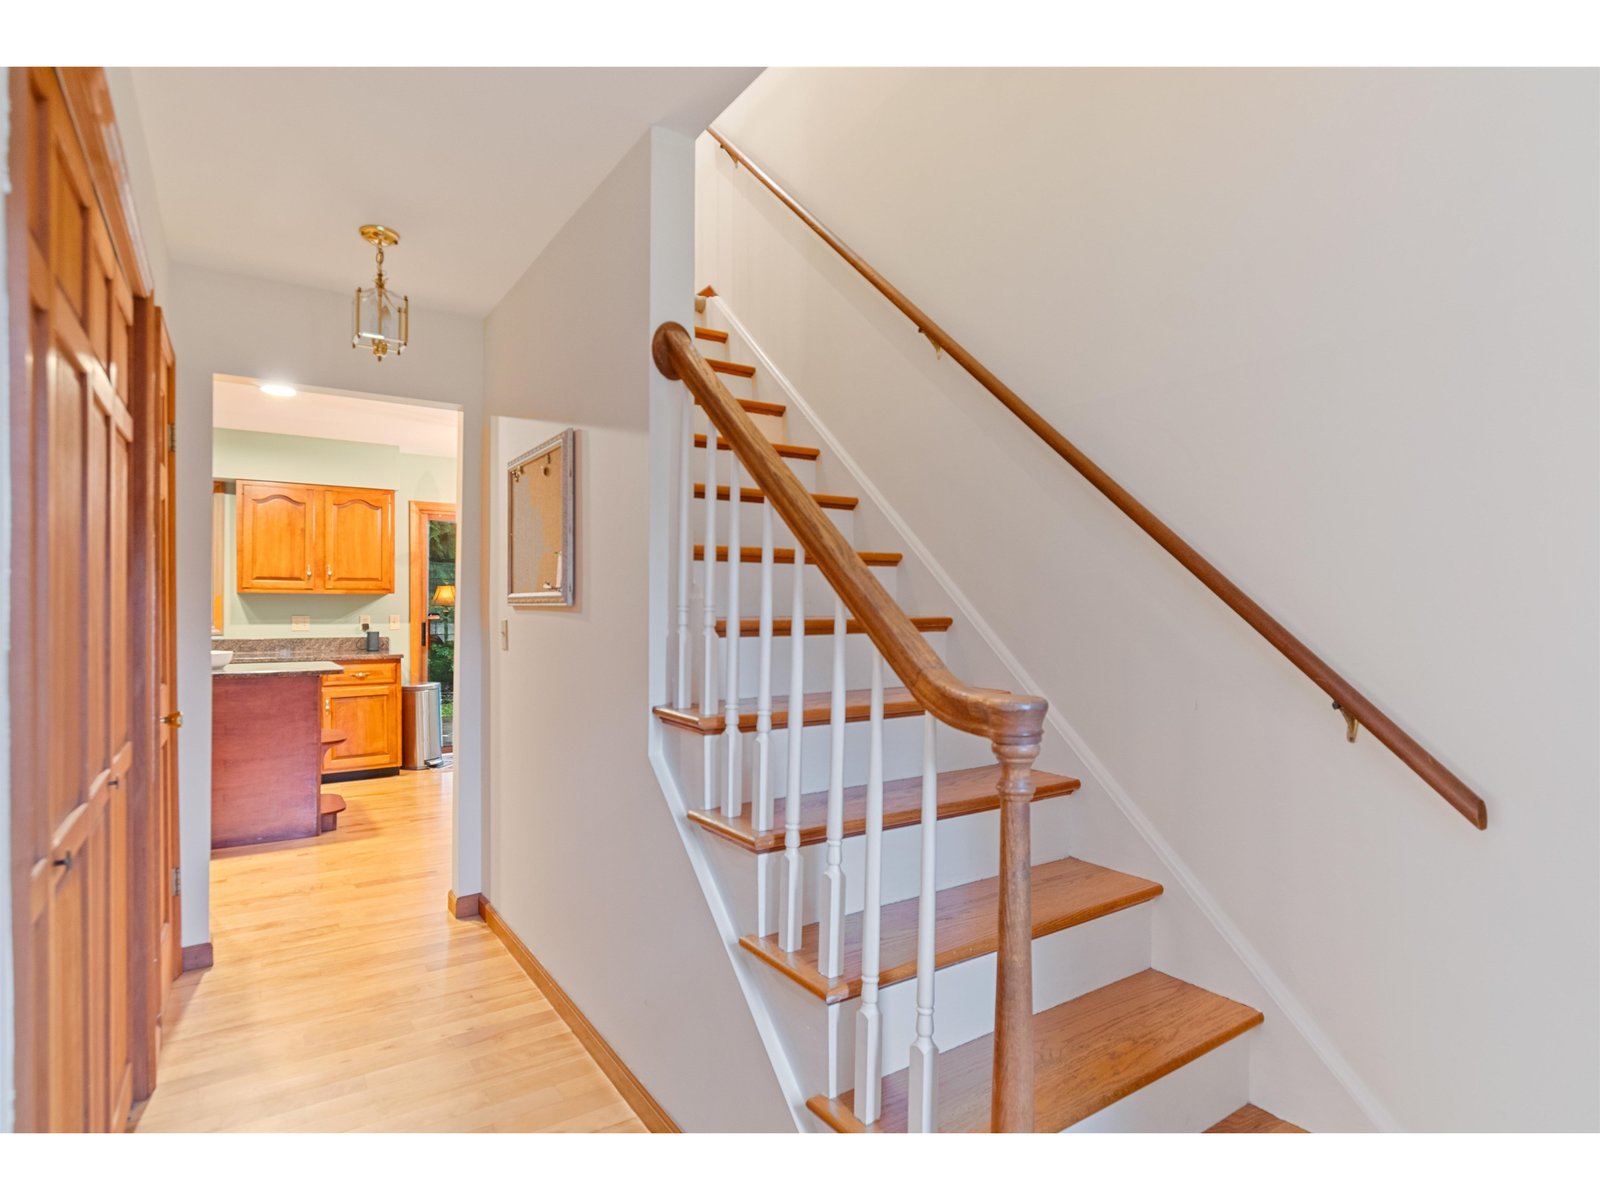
pixel 772 428
pixel 818 662
pixel 1194 1097
pixel 969 850
pixel 750 522
pixel 1066 964
pixel 902 754
pixel 805 469
pixel 819 596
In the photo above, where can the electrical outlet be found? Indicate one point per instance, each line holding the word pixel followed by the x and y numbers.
pixel 394 620
pixel 300 624
pixel 366 620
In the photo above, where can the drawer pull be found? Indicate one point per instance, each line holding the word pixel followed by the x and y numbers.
pixel 359 674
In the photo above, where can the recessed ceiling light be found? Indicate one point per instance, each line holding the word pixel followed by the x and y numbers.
pixel 277 389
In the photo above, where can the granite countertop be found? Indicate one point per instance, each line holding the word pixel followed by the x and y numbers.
pixel 289 667
pixel 309 649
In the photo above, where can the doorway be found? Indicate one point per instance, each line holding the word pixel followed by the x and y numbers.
pixel 433 604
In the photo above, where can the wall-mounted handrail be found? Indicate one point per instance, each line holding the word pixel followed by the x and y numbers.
pixel 1014 724
pixel 1355 707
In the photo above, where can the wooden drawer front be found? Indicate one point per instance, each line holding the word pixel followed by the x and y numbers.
pixel 364 674
pixel 369 718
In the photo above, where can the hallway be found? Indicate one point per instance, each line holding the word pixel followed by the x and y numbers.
pixel 345 998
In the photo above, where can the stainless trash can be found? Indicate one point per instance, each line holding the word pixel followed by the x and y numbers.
pixel 420 725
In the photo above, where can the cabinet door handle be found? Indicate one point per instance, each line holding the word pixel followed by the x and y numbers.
pixel 330 570
pixel 308 571
pixel 359 674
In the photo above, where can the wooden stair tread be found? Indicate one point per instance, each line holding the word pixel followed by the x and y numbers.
pixel 1066 892
pixel 1088 1053
pixel 711 335
pixel 783 556
pixel 783 448
pixel 973 790
pixel 723 367
pixel 823 626
pixel 760 408
pixel 897 702
pixel 1251 1119
pixel 756 496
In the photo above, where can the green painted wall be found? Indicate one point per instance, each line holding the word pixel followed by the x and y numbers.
pixel 236 454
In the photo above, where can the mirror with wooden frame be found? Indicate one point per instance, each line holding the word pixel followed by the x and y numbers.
pixel 541 567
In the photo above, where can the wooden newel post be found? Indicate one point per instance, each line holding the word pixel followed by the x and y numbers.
pixel 1013 1001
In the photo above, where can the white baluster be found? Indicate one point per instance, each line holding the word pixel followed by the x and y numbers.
pixel 685 496
pixel 922 1101
pixel 869 1027
pixel 763 781
pixel 708 621
pixel 789 935
pixel 831 940
pixel 733 795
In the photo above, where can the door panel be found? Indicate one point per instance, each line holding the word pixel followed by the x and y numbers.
pixel 369 717
pixel 276 536
pixel 75 867
pixel 357 540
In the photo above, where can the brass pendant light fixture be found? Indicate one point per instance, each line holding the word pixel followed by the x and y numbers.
pixel 377 322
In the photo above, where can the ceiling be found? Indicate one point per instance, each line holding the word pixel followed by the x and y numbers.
pixel 268 172
pixel 415 428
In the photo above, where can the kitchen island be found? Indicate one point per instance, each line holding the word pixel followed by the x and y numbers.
pixel 266 751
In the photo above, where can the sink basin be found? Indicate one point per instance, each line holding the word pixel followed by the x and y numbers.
pixel 220 659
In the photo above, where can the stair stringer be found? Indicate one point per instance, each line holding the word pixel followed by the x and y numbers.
pixel 744 967
pixel 1295 1067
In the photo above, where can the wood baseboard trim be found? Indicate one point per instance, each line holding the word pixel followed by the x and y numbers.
pixel 197 958
pixel 655 1117
pixel 464 907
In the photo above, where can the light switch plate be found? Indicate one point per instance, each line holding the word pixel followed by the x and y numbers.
pixel 299 624
pixel 394 620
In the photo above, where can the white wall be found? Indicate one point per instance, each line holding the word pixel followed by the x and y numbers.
pixel 585 859
pixel 1339 328
pixel 231 325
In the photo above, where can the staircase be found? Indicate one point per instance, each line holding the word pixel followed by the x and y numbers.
pixel 878 852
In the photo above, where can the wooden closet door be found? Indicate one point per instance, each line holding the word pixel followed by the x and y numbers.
pixel 71 851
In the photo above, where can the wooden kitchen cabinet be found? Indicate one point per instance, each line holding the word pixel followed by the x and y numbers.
pixel 298 537
pixel 276 536
pixel 363 703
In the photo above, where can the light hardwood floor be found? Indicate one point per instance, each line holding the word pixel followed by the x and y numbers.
pixel 344 997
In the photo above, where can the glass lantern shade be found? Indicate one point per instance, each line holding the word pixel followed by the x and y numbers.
pixel 380 324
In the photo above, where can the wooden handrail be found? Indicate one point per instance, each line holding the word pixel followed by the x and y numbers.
pixel 998 716
pixel 1014 724
pixel 1355 707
